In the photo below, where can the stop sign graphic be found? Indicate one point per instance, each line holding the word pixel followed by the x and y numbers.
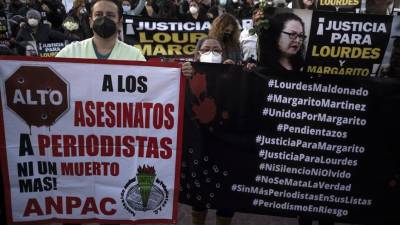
pixel 37 94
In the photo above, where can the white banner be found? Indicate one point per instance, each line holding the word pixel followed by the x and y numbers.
pixel 90 141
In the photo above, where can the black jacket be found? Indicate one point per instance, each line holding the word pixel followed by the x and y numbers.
pixel 43 34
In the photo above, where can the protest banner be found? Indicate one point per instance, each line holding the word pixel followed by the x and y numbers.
pixel 49 49
pixel 267 143
pixel 347 44
pixel 164 37
pixel 339 5
pixel 90 140
pixel 330 5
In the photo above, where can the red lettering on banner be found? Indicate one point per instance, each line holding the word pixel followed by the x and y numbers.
pixel 138 122
pixel 90 206
pixel 100 113
pixel 169 123
pixel 79 117
pixel 128 141
pixel 131 115
pixel 43 143
pixel 103 206
pixel 89 169
pixel 55 204
pixel 55 144
pixel 152 148
pixel 147 106
pixel 110 120
pixel 141 141
pixel 71 203
pixel 105 146
pixel 167 153
pixel 33 207
pixel 90 119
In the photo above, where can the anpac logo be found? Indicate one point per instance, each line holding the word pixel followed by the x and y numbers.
pixel 37 94
pixel 144 192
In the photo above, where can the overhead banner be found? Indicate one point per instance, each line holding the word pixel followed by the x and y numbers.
pixel 90 141
pixel 292 145
pixel 164 38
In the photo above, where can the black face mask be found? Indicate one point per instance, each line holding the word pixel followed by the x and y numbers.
pixel 104 27
pixel 226 36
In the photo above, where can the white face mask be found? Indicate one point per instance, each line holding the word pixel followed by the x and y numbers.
pixel 126 8
pixel 193 10
pixel 222 2
pixel 210 57
pixel 33 22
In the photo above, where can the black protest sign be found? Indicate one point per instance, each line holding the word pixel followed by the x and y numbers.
pixel 339 5
pixel 3 27
pixel 164 38
pixel 49 49
pixel 292 145
pixel 347 44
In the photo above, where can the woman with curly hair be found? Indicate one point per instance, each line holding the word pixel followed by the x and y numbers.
pixel 225 29
pixel 281 44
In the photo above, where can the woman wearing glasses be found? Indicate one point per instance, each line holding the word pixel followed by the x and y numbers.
pixel 281 51
pixel 281 44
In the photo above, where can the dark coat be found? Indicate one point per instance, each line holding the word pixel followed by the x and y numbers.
pixel 43 34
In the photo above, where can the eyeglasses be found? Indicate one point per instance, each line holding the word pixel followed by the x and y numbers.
pixel 208 51
pixel 294 35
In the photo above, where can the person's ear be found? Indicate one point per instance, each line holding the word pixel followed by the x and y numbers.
pixel 119 24
pixel 90 22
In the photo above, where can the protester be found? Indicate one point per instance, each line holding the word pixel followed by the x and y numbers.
pixel 247 8
pixel 226 30
pixel 105 20
pixel 236 9
pixel 218 9
pixel 167 9
pixel 248 38
pixel 304 4
pixel 208 50
pixel 54 11
pixel 151 9
pixel 196 11
pixel 382 7
pixel 394 70
pixel 129 10
pixel 77 22
pixel 15 6
pixel 34 30
pixel 281 43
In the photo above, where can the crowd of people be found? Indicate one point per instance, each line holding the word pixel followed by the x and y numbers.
pixel 93 28
pixel 49 21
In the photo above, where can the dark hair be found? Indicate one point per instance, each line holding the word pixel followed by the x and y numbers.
pixel 217 31
pixel 167 9
pixel 268 48
pixel 116 2
pixel 302 6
